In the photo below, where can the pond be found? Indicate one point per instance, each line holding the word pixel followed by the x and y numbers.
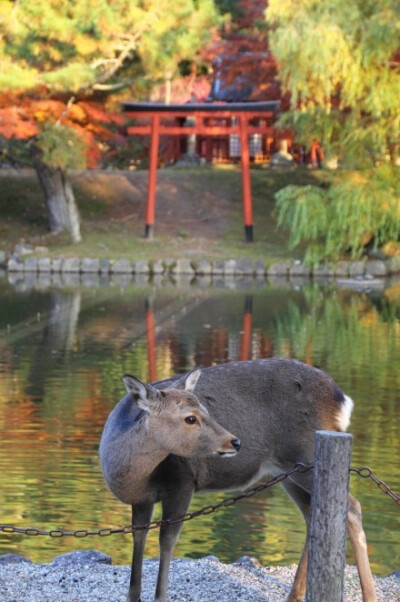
pixel 65 345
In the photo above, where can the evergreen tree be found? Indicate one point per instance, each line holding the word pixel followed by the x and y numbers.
pixel 63 52
pixel 340 62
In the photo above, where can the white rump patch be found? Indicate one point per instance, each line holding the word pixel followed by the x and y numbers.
pixel 345 413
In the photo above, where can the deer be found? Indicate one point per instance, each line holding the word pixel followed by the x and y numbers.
pixel 165 441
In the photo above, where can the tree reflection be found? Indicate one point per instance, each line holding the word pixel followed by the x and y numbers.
pixel 61 365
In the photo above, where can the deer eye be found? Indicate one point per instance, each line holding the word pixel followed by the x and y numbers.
pixel 190 419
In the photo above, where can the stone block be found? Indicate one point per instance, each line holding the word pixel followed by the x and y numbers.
pixel 356 268
pixel 376 267
pixel 341 268
pixel 244 266
pixel 393 264
pixel 15 265
pixel 183 266
pixel 141 266
pixel 71 265
pixel 261 268
pixel 121 266
pixel 203 267
pixel 31 264
pixel 300 270
pixel 218 267
pixel 323 269
pixel 105 266
pixel 56 264
pixel 157 267
pixel 279 268
pixel 90 265
pixel 230 267
pixel 44 264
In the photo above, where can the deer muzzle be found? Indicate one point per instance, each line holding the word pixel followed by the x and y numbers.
pixel 235 445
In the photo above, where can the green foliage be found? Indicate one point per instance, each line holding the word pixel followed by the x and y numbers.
pixel 176 35
pixel 354 210
pixel 83 45
pixel 62 147
pixel 337 60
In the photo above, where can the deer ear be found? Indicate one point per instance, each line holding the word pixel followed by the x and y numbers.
pixel 191 380
pixel 142 393
pixel 187 382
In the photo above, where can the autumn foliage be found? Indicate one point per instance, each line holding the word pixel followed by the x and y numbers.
pixel 22 118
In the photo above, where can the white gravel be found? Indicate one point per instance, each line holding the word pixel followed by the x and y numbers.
pixel 205 580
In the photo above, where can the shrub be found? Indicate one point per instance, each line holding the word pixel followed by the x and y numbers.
pixel 355 210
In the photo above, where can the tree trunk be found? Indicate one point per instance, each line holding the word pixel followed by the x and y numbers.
pixel 59 198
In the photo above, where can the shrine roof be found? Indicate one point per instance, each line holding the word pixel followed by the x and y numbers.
pixel 234 107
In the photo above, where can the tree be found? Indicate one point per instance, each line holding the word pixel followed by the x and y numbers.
pixel 62 54
pixel 340 63
pixel 176 36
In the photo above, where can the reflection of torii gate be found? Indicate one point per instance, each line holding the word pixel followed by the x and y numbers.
pixel 238 113
pixel 245 347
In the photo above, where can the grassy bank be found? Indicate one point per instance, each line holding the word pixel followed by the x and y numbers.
pixel 198 212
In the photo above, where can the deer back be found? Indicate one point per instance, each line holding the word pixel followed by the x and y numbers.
pixel 274 407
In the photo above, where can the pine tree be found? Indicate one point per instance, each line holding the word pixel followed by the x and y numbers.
pixel 62 53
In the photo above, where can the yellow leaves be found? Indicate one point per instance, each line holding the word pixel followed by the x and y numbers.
pixel 391 249
pixel 85 45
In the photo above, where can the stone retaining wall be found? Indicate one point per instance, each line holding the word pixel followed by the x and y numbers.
pixel 372 268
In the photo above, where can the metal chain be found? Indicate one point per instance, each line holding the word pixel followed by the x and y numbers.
pixel 364 472
pixel 105 532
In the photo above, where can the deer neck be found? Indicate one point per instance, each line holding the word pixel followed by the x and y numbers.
pixel 129 460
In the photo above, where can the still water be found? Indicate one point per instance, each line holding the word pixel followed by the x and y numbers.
pixel 65 345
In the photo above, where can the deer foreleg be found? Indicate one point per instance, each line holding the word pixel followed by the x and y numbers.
pixel 172 508
pixel 141 515
pixel 357 536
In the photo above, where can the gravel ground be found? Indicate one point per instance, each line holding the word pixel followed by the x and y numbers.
pixel 205 580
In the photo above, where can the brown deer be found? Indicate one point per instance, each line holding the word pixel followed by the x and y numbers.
pixel 164 442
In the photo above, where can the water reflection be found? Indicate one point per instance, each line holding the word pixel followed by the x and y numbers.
pixel 65 344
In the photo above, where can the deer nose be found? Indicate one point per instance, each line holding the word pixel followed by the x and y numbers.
pixel 236 443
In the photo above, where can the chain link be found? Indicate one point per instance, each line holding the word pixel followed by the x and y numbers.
pixel 364 472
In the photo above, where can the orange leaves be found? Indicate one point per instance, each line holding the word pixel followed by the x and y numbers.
pixel 96 113
pixel 15 124
pixel 21 118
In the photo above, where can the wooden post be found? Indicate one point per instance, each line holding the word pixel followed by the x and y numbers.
pixel 245 159
pixel 329 504
pixel 153 162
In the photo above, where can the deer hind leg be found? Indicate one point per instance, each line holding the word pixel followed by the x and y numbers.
pixel 301 498
pixel 358 540
pixel 141 515
pixel 173 507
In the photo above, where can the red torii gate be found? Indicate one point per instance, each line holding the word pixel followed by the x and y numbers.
pixel 202 113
